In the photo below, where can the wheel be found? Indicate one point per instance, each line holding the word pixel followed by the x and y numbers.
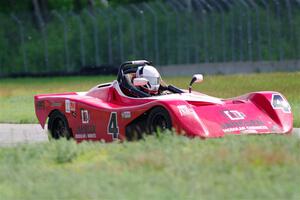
pixel 158 119
pixel 58 126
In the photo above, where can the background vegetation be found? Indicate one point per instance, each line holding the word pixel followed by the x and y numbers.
pixel 176 33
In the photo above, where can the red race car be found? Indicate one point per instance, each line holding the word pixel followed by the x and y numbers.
pixel 140 102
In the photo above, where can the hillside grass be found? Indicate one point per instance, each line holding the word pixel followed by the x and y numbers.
pixel 167 167
pixel 16 95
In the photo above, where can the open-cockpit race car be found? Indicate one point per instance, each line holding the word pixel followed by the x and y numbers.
pixel 127 108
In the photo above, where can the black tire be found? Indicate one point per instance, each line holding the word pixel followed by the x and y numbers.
pixel 158 119
pixel 58 125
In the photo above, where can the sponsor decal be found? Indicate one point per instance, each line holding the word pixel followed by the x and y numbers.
pixel 74 114
pixel 184 110
pixel 242 123
pixel 40 105
pixel 70 106
pixel 234 114
pixel 56 104
pixel 246 129
pixel 112 128
pixel 85 116
pixel 278 102
pixel 86 132
pixel 126 115
pixel 275 128
pixel 244 126
pixel 67 106
pixel 73 106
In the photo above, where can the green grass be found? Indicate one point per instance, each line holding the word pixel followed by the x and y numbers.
pixel 167 167
pixel 16 95
pixel 164 167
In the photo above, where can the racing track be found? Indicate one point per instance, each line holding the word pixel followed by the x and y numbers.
pixel 13 134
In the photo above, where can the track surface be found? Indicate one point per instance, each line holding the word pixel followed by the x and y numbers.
pixel 13 134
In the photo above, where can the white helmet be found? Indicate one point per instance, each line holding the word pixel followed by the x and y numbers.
pixel 151 74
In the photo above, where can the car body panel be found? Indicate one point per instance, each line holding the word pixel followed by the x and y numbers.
pixel 90 113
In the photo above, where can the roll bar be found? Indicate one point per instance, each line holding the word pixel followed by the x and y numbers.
pixel 137 62
pixel 133 63
pixel 124 83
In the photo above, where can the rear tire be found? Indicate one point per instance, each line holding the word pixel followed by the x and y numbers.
pixel 158 119
pixel 58 125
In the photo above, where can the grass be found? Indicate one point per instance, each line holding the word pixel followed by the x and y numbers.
pixel 164 167
pixel 168 167
pixel 16 95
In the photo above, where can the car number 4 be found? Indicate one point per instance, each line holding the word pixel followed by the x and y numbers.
pixel 113 128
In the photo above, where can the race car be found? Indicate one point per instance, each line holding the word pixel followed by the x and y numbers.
pixel 127 108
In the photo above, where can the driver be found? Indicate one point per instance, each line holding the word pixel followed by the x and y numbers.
pixel 152 75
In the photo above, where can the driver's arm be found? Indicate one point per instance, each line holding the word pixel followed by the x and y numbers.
pixel 162 90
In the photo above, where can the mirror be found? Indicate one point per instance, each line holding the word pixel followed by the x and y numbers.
pixel 140 81
pixel 197 78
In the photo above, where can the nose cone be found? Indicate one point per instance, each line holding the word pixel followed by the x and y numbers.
pixel 218 120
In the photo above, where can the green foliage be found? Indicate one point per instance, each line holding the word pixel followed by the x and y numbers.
pixel 124 33
pixel 15 6
pixel 62 4
pixel 172 167
pixel 122 2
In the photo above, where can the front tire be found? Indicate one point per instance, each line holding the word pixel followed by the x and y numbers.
pixel 58 125
pixel 158 119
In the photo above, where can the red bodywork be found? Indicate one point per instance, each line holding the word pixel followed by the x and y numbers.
pixel 89 113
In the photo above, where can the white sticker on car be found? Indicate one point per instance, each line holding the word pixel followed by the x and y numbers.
pixel 126 115
pixel 85 116
pixel 184 110
pixel 73 106
pixel 67 106
pixel 234 114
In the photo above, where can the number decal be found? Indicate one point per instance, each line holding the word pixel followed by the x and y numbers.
pixel 113 128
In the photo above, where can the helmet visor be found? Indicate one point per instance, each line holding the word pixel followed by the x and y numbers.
pixel 153 80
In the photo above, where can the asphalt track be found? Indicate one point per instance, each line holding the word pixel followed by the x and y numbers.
pixel 14 134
